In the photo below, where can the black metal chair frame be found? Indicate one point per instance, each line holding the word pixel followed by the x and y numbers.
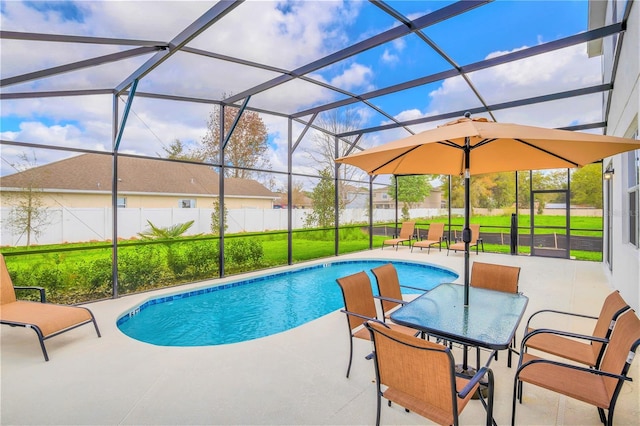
pixel 518 385
pixel 477 378
pixel 35 328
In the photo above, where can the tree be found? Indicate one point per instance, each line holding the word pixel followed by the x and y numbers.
pixel 322 202
pixel 323 151
pixel 411 190
pixel 298 195
pixel 586 186
pixel 489 191
pixel 246 148
pixel 29 214
pixel 215 217
pixel 503 190
pixel 177 151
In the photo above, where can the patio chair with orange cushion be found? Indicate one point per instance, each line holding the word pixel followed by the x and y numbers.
pixel 420 376
pixel 360 307
pixel 596 386
pixel 389 288
pixel 476 241
pixel 499 278
pixel 406 235
pixel 434 236
pixel 564 344
pixel 46 319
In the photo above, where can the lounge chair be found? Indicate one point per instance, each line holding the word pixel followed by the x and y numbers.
pixel 499 278
pixel 360 307
pixel 420 376
pixel 406 235
pixel 564 344
pixel 595 386
pixel 475 240
pixel 46 319
pixel 434 236
pixel 389 288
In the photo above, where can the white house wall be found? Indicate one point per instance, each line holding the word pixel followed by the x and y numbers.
pixel 623 121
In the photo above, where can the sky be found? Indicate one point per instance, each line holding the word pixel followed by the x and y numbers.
pixel 285 35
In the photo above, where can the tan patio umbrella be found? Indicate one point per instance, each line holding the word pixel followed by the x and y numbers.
pixel 475 146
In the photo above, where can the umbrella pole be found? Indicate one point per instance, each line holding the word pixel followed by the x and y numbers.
pixel 466 232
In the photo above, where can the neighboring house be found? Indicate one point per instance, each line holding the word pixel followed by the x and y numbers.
pixel 85 181
pixel 622 188
pixel 382 200
pixel 300 201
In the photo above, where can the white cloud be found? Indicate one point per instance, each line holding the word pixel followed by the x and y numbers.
pixel 280 34
pixel 303 31
pixel 545 74
pixel 356 76
pixel 389 58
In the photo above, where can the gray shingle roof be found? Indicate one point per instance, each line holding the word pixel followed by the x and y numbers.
pixel 93 172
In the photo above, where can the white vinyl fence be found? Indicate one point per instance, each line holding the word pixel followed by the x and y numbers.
pixel 71 225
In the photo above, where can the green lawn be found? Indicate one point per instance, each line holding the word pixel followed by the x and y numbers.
pixel 74 273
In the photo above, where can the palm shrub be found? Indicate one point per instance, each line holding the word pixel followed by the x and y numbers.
pixel 176 260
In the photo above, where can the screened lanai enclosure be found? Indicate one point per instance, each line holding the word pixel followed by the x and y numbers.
pixel 147 144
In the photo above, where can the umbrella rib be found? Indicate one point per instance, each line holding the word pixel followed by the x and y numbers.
pixel 548 152
pixel 394 159
pixel 450 143
pixel 482 142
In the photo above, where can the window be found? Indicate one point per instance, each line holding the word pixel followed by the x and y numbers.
pixel 121 202
pixel 187 203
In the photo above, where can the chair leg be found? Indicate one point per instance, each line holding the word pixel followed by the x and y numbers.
pixel 513 403
pixel 41 340
pixel 378 408
pixel 603 418
pixel 350 355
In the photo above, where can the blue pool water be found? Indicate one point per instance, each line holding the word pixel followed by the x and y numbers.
pixel 258 307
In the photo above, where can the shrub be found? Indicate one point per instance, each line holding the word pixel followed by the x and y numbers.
pixel 244 252
pixel 202 258
pixel 177 260
pixel 94 275
pixel 140 267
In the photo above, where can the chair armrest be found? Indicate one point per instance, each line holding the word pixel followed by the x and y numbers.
pixel 475 380
pixel 391 299
pixel 364 317
pixel 573 367
pixel 565 334
pixel 559 313
pixel 43 297
pixel 560 333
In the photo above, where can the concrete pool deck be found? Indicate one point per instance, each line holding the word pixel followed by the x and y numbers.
pixel 295 377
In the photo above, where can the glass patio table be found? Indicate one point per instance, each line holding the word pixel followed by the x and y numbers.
pixel 489 321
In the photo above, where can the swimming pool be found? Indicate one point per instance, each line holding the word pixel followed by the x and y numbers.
pixel 258 307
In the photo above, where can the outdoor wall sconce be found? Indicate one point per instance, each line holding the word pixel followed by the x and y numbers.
pixel 608 174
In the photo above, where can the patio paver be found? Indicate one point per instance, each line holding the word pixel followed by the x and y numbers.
pixel 295 377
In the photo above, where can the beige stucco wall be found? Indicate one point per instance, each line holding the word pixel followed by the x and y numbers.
pixel 97 200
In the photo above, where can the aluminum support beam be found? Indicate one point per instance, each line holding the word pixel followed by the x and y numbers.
pixel 213 15
pixel 477 66
pixel 87 63
pixel 235 122
pixel 479 110
pixel 61 38
pixel 389 35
